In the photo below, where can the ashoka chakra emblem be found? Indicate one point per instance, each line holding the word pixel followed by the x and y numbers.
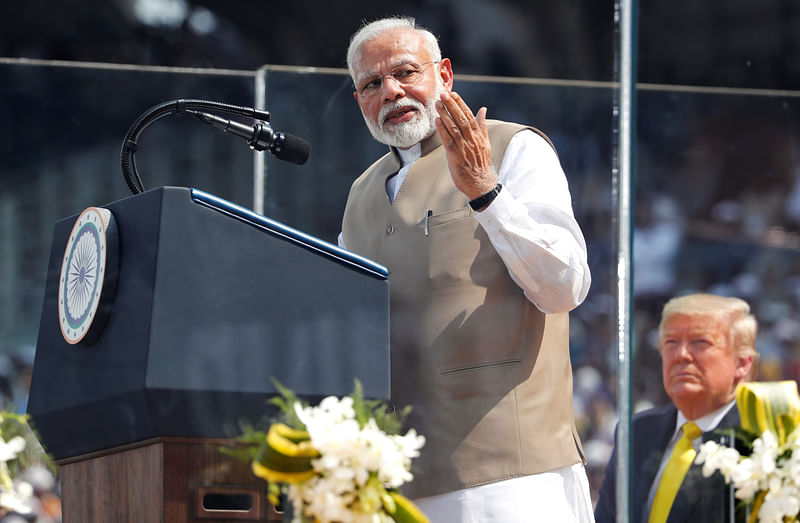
pixel 83 270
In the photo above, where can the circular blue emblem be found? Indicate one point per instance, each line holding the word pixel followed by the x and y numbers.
pixel 83 273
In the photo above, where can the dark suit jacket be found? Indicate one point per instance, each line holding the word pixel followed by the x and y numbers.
pixel 699 499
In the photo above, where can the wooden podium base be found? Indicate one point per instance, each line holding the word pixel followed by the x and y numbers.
pixel 168 480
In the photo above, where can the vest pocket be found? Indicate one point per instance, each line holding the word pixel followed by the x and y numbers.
pixel 453 244
pixel 441 218
pixel 483 380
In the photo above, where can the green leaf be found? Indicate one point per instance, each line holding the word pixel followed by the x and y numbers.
pixel 286 402
pixel 247 446
pixel 386 417
pixel 12 425
pixel 361 407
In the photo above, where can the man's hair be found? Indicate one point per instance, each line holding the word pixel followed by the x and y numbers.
pixel 744 327
pixel 371 30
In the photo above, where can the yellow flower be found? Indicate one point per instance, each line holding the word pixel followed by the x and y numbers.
pixel 773 406
pixel 286 456
pixel 405 511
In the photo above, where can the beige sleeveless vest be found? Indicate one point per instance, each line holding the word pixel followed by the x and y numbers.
pixel 486 373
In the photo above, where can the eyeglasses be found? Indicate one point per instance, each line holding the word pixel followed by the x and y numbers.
pixel 404 74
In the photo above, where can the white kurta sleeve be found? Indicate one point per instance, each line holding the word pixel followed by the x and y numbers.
pixel 533 229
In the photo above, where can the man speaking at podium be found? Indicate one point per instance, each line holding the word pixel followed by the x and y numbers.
pixel 473 219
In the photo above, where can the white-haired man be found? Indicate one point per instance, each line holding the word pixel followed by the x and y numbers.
pixel 473 218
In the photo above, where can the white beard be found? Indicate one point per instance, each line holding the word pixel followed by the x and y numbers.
pixel 407 134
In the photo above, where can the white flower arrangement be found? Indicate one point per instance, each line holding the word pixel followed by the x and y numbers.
pixel 339 462
pixel 354 463
pixel 23 465
pixel 16 495
pixel 767 479
pixel 772 468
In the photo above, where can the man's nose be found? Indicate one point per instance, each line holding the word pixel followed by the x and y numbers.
pixel 392 88
pixel 683 351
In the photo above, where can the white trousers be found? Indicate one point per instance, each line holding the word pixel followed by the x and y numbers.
pixel 561 496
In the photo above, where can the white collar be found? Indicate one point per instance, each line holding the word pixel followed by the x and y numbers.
pixel 410 155
pixel 707 422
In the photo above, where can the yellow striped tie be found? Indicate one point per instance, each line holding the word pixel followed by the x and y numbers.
pixel 679 462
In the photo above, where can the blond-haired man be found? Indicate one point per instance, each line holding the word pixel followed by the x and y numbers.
pixel 707 347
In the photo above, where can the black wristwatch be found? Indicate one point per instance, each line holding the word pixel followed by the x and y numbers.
pixel 482 201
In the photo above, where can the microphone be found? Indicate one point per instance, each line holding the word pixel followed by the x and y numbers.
pixel 261 137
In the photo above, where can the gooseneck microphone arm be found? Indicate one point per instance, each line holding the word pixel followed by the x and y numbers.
pixel 259 136
pixel 130 144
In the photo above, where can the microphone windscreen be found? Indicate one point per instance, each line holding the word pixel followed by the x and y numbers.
pixel 293 149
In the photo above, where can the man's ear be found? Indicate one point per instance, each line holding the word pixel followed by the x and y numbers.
pixel 743 366
pixel 446 73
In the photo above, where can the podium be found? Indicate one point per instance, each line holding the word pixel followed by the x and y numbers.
pixel 203 302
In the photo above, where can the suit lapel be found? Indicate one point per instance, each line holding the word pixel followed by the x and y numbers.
pixel 724 434
pixel 650 439
pixel 700 498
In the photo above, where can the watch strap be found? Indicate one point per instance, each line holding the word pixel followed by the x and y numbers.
pixel 482 201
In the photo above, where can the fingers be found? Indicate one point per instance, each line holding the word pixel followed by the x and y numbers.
pixel 454 112
pixel 458 120
pixel 446 132
pixel 466 140
pixel 481 117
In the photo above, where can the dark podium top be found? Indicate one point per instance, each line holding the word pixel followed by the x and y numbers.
pixel 211 301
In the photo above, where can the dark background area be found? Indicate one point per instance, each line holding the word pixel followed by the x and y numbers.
pixel 732 43
pixel 249 33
